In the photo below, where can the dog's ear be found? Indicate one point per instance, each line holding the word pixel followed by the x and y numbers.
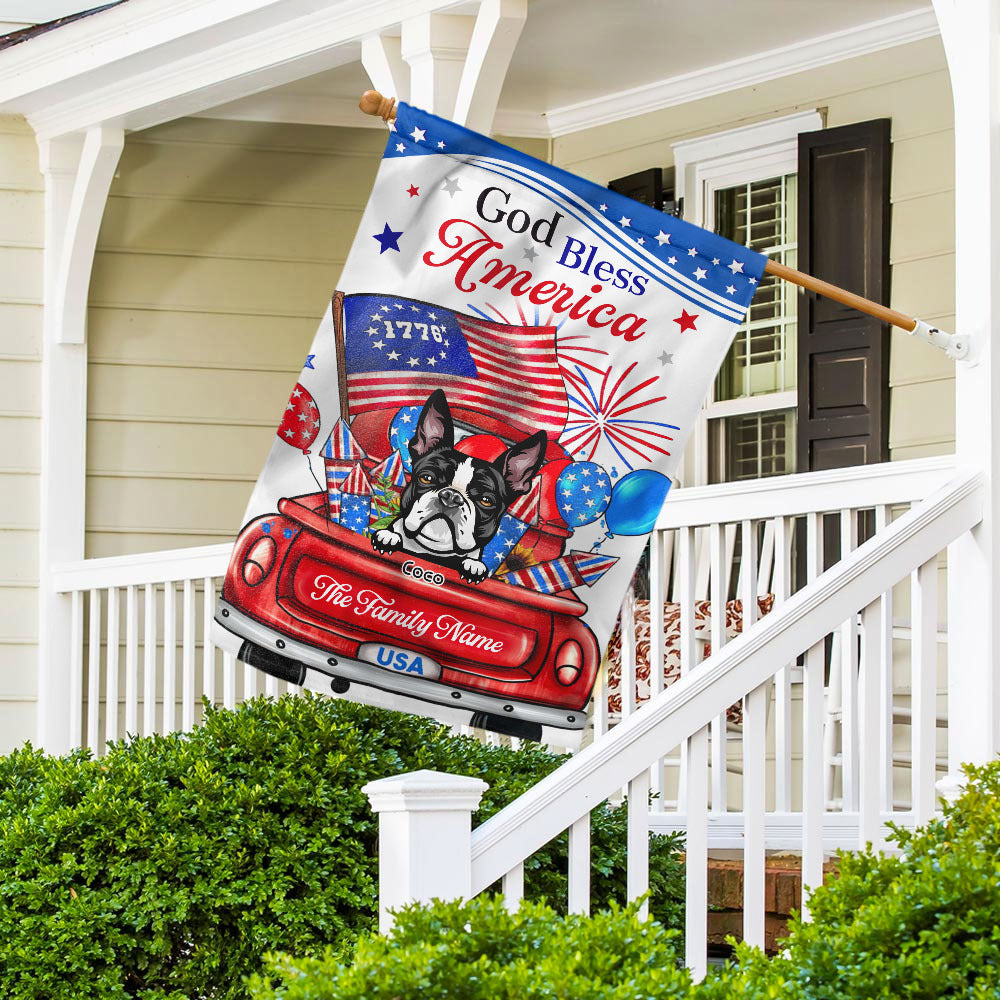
pixel 434 426
pixel 520 464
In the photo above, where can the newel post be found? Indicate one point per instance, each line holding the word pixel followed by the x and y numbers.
pixel 424 838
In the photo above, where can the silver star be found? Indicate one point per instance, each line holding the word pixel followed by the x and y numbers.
pixel 392 355
pixel 530 253
pixel 700 273
pixel 440 145
pixel 432 361
pixel 378 344
pixel 663 237
pixel 736 267
pixel 371 331
pixel 671 260
pixel 413 362
pixel 418 134
pixel 664 359
pixel 693 252
pixel 624 222
pixel 451 186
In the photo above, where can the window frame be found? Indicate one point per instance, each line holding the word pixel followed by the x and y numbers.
pixel 703 166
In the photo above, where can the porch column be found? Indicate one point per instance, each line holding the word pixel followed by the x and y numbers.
pixel 970 30
pixel 452 65
pixel 78 170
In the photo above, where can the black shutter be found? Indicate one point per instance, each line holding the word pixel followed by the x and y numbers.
pixel 843 364
pixel 645 186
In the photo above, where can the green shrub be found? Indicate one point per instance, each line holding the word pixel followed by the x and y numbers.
pixel 169 867
pixel 921 926
pixel 479 951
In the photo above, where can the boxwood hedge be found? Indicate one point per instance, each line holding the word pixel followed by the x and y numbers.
pixel 921 925
pixel 167 868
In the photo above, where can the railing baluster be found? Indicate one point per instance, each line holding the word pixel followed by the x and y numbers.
pixel 685 585
pixel 887 691
pixel 188 656
pixel 249 682
pixel 869 783
pixel 131 662
pixel 637 840
pixel 627 625
pixel 94 673
pixel 812 733
pixel 228 680
pixel 578 880
pixel 754 761
pixel 207 646
pixel 169 657
pixel 656 576
pixel 75 692
pixel 696 857
pixel 849 678
pixel 923 685
pixel 718 593
pixel 149 663
pixel 513 888
pixel 111 651
pixel 781 587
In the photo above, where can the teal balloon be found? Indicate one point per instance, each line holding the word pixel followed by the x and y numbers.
pixel 635 502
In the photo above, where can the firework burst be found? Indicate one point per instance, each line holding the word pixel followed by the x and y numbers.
pixel 608 408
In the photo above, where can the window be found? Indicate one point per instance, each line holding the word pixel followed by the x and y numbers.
pixel 743 185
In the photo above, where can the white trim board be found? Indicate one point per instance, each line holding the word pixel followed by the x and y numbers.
pixel 863 39
pixel 873 36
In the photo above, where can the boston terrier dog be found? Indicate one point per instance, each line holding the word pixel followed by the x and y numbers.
pixel 453 503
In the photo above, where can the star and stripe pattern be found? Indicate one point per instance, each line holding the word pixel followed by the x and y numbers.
pixel 398 351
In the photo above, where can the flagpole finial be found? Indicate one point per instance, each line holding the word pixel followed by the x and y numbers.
pixel 373 103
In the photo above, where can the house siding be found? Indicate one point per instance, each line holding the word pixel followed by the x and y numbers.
pixel 21 240
pixel 908 84
pixel 220 246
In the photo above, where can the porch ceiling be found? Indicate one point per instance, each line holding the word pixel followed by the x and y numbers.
pixel 577 63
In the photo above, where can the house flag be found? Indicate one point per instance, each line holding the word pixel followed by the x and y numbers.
pixel 482 436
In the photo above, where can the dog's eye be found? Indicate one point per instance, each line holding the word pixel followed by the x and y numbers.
pixel 425 478
pixel 488 502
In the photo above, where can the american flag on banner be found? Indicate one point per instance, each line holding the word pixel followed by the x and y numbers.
pixel 398 351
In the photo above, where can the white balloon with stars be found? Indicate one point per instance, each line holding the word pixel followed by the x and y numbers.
pixel 583 492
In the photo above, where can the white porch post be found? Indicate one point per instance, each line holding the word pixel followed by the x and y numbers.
pixel 424 838
pixel 456 62
pixel 78 172
pixel 970 30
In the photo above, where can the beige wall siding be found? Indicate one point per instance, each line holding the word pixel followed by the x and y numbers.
pixel 220 246
pixel 908 84
pixel 21 220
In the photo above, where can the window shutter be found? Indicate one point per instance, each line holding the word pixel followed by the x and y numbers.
pixel 645 186
pixel 843 365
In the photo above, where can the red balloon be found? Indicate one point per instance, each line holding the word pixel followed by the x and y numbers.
pixel 300 422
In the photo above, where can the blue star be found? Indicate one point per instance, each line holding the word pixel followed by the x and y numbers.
pixel 387 239
pixel 266 527
pixel 288 532
pixel 309 362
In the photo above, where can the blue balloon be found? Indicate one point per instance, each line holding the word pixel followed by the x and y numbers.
pixel 635 502
pixel 404 423
pixel 583 491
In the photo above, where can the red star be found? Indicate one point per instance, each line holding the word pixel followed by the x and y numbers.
pixel 413 191
pixel 686 320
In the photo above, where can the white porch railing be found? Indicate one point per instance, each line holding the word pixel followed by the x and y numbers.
pixel 748 668
pixel 830 743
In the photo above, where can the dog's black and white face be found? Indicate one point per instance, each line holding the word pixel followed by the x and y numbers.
pixel 453 504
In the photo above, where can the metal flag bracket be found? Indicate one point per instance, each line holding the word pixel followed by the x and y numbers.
pixel 955 346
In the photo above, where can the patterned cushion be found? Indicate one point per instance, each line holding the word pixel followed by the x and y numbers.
pixel 671 648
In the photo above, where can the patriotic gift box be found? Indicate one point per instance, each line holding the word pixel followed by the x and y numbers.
pixel 568 336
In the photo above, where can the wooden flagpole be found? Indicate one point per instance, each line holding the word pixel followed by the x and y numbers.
pixel 954 345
